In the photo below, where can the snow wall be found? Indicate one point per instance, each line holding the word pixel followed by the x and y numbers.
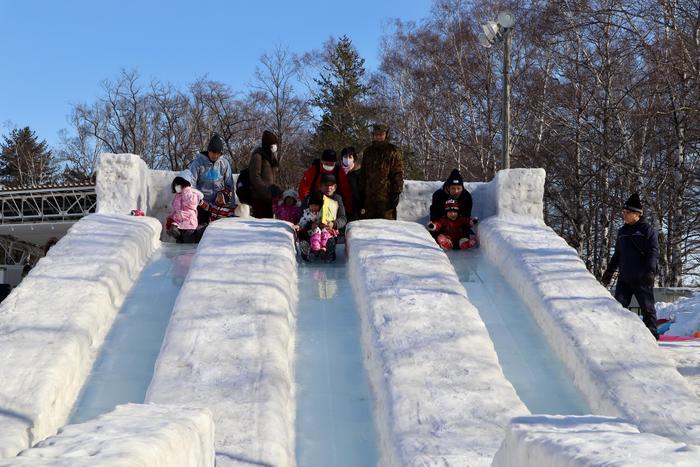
pixel 131 435
pixel 53 324
pixel 230 342
pixel 440 394
pixel 553 441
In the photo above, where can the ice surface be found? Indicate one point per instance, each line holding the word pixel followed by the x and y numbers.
pixel 527 360
pixel 125 364
pixel 130 436
pixel 53 323
pixel 441 397
pixel 334 424
pixel 555 441
pixel 230 342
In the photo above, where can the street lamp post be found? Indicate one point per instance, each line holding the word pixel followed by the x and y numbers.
pixel 497 33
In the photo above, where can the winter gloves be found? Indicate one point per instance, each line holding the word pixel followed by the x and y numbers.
pixel 607 277
pixel 648 279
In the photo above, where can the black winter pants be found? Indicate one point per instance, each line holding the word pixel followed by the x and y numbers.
pixel 645 298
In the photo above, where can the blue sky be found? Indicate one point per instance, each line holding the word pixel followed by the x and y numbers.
pixel 56 52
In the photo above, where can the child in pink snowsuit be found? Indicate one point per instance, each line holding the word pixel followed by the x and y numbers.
pixel 182 221
pixel 288 208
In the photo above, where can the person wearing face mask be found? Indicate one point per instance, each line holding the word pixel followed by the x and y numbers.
pixel 326 165
pixel 182 222
pixel 453 188
pixel 351 167
pixel 211 173
pixel 263 168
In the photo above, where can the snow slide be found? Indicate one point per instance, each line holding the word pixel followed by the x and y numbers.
pixel 230 342
pixel 53 324
pixel 441 397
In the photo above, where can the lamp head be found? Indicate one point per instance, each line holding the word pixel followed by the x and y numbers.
pixel 506 19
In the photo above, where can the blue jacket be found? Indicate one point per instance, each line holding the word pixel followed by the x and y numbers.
pixel 636 252
pixel 211 177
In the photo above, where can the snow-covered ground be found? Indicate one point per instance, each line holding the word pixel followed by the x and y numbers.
pixel 441 397
pixel 52 325
pixel 230 342
pixel 132 435
pixel 555 441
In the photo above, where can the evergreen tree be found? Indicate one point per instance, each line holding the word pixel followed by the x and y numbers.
pixel 25 161
pixel 342 98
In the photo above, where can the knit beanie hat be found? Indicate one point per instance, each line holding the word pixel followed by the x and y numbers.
pixel 455 178
pixel 329 155
pixel 451 205
pixel 633 203
pixel 268 139
pixel 216 144
pixel 316 197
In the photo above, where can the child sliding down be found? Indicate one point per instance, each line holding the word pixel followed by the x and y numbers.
pixel 453 231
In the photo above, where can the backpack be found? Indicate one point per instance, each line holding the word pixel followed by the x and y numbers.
pixel 244 189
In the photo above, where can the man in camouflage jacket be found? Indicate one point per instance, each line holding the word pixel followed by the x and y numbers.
pixel 381 179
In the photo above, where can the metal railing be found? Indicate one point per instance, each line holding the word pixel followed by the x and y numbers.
pixel 51 203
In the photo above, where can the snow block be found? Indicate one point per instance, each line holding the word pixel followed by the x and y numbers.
pixel 122 184
pixel 53 324
pixel 229 345
pixel 414 204
pixel 553 441
pixel 520 192
pixel 440 395
pixel 613 358
pixel 131 435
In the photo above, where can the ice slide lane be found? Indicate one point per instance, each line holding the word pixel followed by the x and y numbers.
pixel 527 360
pixel 334 422
pixel 124 366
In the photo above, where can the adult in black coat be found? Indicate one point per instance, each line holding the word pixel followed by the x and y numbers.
pixel 453 188
pixel 636 255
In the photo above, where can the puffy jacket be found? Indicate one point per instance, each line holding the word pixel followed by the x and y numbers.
pixel 211 177
pixel 455 229
pixel 437 207
pixel 263 173
pixel 636 252
pixel 380 180
pixel 185 208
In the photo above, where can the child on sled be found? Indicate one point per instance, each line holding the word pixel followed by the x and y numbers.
pixel 453 231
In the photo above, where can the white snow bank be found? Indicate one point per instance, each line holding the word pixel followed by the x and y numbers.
pixel 121 184
pixel 441 397
pixel 54 322
pixel 229 345
pixel 132 435
pixel 554 441
pixel 613 358
pixel 685 314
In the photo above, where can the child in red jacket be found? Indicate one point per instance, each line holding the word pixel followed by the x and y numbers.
pixel 452 230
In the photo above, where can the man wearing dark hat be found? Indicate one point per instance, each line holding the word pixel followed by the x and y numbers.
pixel 263 169
pixel 211 174
pixel 326 165
pixel 636 254
pixel 381 179
pixel 453 188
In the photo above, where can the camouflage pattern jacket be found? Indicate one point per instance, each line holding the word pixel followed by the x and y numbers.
pixel 380 181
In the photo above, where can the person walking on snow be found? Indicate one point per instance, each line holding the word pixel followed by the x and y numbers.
pixel 182 223
pixel 453 231
pixel 263 168
pixel 381 179
pixel 636 255
pixel 453 188
pixel 210 174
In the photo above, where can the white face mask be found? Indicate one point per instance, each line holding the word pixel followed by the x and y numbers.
pixel 273 148
pixel 178 188
pixel 348 162
pixel 328 168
